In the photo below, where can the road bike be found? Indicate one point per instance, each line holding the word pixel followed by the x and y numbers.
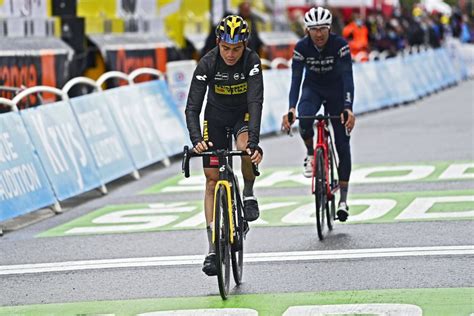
pixel 324 180
pixel 230 227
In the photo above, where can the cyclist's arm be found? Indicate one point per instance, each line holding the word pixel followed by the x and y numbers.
pixel 196 94
pixel 347 78
pixel 254 97
pixel 297 67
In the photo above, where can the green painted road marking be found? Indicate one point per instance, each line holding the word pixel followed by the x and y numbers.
pixel 433 302
pixel 292 177
pixel 275 211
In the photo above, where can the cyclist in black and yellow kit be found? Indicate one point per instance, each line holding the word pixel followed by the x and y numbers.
pixel 233 74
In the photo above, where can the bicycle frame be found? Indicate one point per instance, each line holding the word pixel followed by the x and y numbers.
pixel 322 142
pixel 225 173
pixel 226 177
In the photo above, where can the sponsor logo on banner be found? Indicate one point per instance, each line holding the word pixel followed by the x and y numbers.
pixel 128 60
pixel 46 69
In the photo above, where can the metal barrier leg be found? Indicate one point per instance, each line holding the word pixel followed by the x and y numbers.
pixel 103 189
pixel 136 175
pixel 56 207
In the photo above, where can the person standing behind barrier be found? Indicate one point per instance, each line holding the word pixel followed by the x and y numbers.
pixel 357 34
pixel 233 74
pixel 254 41
pixel 327 63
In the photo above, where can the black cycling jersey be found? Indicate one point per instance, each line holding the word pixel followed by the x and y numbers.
pixel 232 89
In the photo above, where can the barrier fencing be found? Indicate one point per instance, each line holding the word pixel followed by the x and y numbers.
pixel 54 152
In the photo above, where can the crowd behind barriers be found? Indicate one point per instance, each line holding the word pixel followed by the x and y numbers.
pixel 374 31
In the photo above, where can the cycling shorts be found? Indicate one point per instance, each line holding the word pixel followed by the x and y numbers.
pixel 214 130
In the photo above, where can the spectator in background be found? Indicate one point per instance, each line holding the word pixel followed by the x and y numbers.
pixel 337 21
pixel 465 32
pixel 254 42
pixel 357 34
pixel 210 42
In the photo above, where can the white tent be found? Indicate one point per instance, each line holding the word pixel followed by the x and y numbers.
pixel 437 5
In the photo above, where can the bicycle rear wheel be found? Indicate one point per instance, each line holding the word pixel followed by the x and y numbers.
pixel 222 241
pixel 320 193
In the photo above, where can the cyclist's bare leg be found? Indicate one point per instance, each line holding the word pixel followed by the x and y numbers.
pixel 212 175
pixel 251 211
pixel 247 172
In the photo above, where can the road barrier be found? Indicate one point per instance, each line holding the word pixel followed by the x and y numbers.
pixel 54 152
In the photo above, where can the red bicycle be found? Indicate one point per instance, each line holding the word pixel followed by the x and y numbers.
pixel 325 182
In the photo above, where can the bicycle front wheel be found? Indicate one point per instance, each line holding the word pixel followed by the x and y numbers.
pixel 320 193
pixel 221 222
pixel 331 204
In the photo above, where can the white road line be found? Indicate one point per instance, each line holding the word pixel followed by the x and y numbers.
pixel 252 257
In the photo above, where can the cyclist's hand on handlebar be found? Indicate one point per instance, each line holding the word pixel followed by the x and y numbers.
pixel 202 146
pixel 350 121
pixel 255 153
pixel 286 123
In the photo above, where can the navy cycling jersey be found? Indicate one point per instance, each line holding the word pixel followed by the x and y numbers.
pixel 329 68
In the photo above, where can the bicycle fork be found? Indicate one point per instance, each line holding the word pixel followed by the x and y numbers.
pixel 226 185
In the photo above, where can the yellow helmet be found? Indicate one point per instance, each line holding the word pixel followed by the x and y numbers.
pixel 233 29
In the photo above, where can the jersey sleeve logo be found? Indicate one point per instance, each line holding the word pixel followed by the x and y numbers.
pixel 201 77
pixel 297 56
pixel 348 97
pixel 344 51
pixel 255 70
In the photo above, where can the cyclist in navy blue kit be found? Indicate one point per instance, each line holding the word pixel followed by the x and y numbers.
pixel 326 61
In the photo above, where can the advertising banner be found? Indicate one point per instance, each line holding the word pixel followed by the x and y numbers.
pixel 167 122
pixel 24 186
pixel 62 149
pixel 105 142
pixel 135 125
pixel 33 62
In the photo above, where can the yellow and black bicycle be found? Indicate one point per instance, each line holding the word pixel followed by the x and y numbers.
pixel 230 227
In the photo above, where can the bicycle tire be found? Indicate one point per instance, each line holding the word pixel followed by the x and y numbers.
pixel 320 193
pixel 237 249
pixel 331 205
pixel 221 222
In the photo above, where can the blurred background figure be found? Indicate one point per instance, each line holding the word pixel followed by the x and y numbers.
pixel 357 34
pixel 210 41
pixel 254 42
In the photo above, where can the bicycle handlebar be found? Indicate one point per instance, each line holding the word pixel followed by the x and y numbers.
pixel 189 153
pixel 318 117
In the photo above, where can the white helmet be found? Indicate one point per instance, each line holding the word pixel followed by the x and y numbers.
pixel 318 17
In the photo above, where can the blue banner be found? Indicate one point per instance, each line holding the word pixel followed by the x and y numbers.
pixel 379 96
pixel 62 149
pixel 167 122
pixel 105 143
pixel 361 90
pixel 401 88
pixel 24 186
pixel 276 99
pixel 135 125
